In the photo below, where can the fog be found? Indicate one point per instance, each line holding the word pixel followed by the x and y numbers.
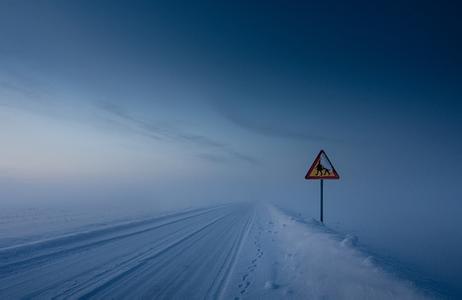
pixel 111 111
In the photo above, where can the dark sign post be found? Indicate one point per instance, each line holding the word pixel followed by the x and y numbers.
pixel 322 202
pixel 322 168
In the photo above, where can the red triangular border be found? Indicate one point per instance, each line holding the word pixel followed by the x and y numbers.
pixel 334 175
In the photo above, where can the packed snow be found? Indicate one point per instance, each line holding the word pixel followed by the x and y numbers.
pixel 233 251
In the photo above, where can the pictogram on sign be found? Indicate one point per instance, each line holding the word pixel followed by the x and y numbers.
pixel 322 168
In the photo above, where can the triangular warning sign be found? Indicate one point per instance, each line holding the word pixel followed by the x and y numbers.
pixel 322 168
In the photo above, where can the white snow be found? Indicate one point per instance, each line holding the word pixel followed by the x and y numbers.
pixel 235 251
pixel 23 225
pixel 349 241
pixel 295 260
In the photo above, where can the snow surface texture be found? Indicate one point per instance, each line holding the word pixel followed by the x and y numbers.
pixel 236 251
pixel 21 225
pixel 295 260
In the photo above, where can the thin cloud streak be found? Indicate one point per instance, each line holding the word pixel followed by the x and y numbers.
pixel 167 133
pixel 268 130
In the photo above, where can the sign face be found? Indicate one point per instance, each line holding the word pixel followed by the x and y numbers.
pixel 322 168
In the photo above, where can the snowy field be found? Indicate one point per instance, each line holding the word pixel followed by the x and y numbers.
pixel 234 251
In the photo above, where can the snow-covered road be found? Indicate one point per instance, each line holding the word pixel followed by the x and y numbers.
pixel 229 251
pixel 185 255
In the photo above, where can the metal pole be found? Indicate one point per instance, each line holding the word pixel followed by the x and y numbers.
pixel 322 212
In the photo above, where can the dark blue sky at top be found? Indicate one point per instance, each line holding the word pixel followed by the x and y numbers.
pixel 272 52
pixel 354 43
pixel 331 71
pixel 233 99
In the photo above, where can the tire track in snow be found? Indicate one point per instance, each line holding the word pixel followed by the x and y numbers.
pixel 207 260
pixel 171 287
pixel 131 269
pixel 14 281
pixel 218 286
pixel 187 256
pixel 58 244
pixel 246 281
pixel 106 271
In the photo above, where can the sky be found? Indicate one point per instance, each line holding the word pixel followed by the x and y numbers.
pixel 185 103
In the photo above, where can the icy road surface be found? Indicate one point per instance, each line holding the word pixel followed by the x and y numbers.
pixel 236 251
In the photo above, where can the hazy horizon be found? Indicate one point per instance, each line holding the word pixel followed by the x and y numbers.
pixel 174 104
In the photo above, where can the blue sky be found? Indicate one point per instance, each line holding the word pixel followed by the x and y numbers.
pixel 227 101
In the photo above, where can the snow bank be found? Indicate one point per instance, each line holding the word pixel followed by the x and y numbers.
pixel 317 265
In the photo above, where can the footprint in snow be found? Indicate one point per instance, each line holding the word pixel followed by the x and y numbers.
pixel 245 288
